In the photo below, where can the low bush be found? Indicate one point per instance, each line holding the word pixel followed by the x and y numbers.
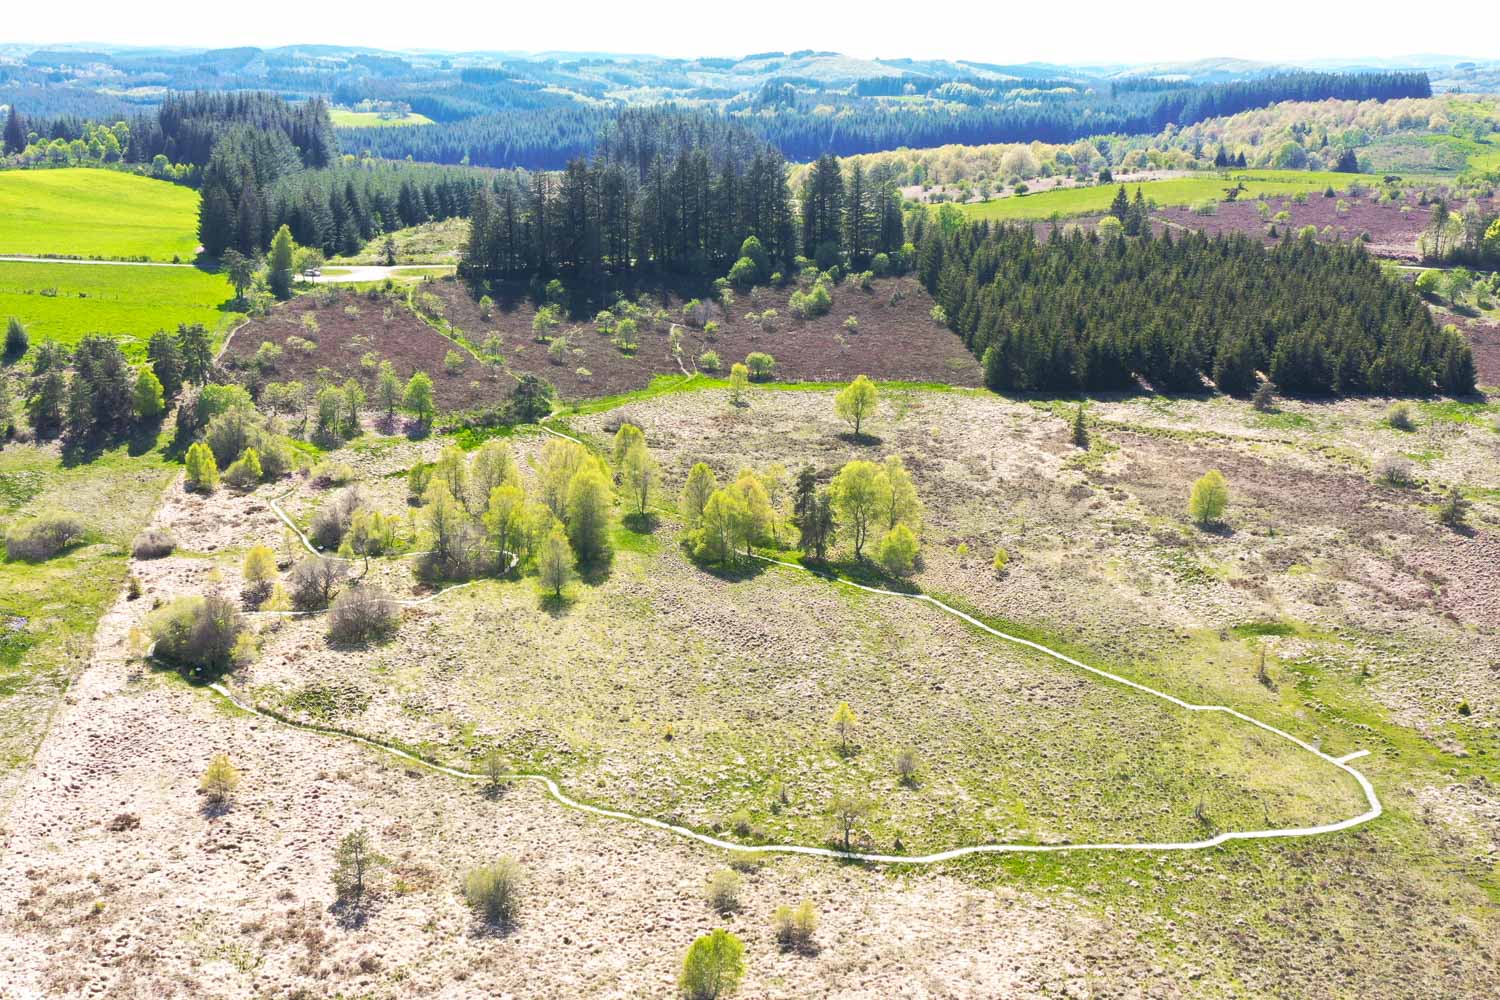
pixel 1399 416
pixel 42 538
pixel 331 522
pixel 794 925
pixel 493 892
pixel 361 614
pixel 153 543
pixel 723 891
pixel 1394 470
pixel 314 580
pixel 202 633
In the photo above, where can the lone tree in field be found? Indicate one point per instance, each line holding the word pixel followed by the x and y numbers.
pixel 355 863
pixel 259 572
pixel 639 472
pixel 844 721
pixel 554 562
pixel 856 402
pixel 847 811
pixel 219 780
pixel 739 381
pixel 713 966
pixel 1454 510
pixel 17 340
pixel 1080 428
pixel 1209 498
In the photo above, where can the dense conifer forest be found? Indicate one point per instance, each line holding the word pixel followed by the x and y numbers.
pixel 1076 311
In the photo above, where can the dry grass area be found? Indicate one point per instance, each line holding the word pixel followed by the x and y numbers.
pixel 1377 622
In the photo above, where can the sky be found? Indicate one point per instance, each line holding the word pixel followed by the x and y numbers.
pixel 1073 31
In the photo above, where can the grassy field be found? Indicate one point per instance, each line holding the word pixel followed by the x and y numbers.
pixel 63 302
pixel 96 213
pixel 365 119
pixel 429 243
pixel 1065 202
pixel 48 610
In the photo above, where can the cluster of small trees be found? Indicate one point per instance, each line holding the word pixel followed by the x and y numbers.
pixel 873 504
pixel 90 393
pixel 476 513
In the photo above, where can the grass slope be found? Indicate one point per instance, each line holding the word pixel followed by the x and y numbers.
pixel 1177 191
pixel 365 119
pixel 96 213
pixel 64 302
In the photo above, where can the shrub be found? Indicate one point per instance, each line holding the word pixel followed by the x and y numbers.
pixel 259 574
pixel 42 538
pixel 331 473
pixel 557 351
pixel 897 551
pixel 331 522
pixel 723 891
pixel 761 365
pixel 794 925
pixel 906 766
pixel 201 633
pixel 220 780
pixel 313 581
pixel 17 340
pixel 1264 399
pixel 1394 470
pixel 453 362
pixel 361 614
pixel 1002 559
pixel 245 472
pixel 493 892
pixel 852 324
pixel 814 302
pixel 545 322
pixel 709 361
pixel 202 470
pixel 939 315
pixel 1454 510
pixel 153 543
pixel 1399 416
pixel 713 966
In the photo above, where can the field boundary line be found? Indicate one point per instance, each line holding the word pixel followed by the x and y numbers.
pixel 555 791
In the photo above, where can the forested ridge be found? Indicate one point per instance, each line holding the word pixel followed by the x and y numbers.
pixel 1074 311
pixel 805 123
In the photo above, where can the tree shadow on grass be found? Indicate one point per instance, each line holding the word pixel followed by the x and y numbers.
pixel 863 439
pixel 556 605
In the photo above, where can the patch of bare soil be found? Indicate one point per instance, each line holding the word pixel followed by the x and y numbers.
pixel 895 339
pixel 350 334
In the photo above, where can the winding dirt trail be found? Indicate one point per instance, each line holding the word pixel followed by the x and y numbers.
pixel 1342 763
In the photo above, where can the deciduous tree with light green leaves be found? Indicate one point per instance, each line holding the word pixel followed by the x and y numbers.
pixel 700 485
pixel 1209 498
pixel 713 967
pixel 588 508
pixel 554 561
pixel 202 470
pixel 418 399
pixel 739 381
pixel 861 495
pixel 844 720
pixel 856 403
